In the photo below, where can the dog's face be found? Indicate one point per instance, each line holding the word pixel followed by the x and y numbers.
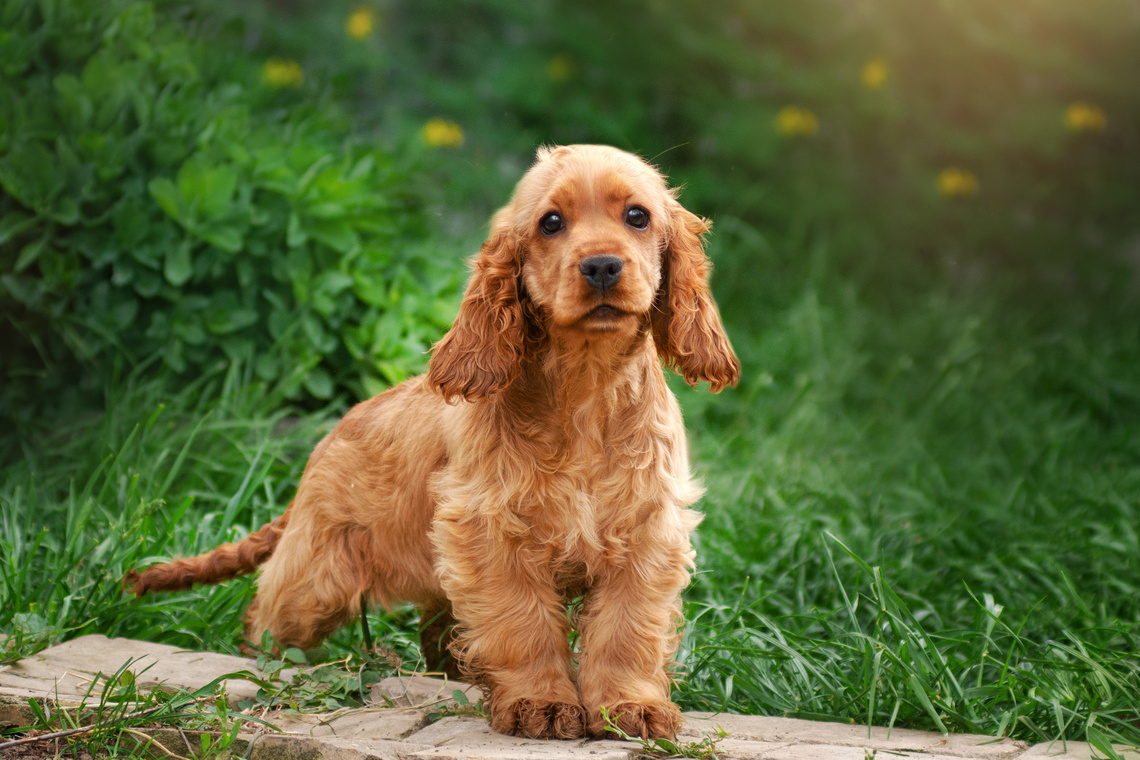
pixel 593 242
pixel 593 225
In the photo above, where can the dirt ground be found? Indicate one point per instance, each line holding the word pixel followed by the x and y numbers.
pixel 56 749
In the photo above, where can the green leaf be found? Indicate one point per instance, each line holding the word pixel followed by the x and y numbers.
pixel 225 321
pixel 1101 744
pixel 317 655
pixel 228 237
pixel 209 189
pixel 267 367
pixel 337 234
pixel 31 252
pixel 295 234
pixel 29 173
pixel 178 267
pixel 319 383
pixel 319 338
pixel 373 385
pixel 13 223
pixel 295 655
pixel 166 194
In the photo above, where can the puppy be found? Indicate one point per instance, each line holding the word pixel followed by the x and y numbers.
pixel 541 459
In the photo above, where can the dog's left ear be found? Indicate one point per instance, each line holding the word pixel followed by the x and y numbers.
pixel 482 352
pixel 686 324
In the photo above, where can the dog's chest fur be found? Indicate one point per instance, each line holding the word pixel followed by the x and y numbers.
pixel 572 481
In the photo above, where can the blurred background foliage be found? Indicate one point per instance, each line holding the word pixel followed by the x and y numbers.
pixel 175 180
pixel 927 254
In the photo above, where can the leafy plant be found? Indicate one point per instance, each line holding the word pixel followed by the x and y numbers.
pixel 665 748
pixel 161 200
pixel 28 633
pixel 316 684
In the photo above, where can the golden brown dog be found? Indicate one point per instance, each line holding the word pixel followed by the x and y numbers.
pixel 541 459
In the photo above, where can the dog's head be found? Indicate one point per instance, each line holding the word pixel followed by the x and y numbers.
pixel 593 243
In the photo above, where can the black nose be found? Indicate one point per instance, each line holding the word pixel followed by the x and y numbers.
pixel 601 272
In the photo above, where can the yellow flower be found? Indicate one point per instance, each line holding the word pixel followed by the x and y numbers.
pixel 1084 117
pixel 561 68
pixel 279 72
pixel 955 183
pixel 360 24
pixel 793 121
pixel 875 73
pixel 441 133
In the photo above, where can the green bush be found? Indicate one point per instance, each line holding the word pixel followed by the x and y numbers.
pixel 165 198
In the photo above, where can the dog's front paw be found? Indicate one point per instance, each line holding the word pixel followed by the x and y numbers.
pixel 648 720
pixel 539 719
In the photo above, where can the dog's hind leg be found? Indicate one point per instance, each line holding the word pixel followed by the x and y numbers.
pixel 310 587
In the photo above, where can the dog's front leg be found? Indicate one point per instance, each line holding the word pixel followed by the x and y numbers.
pixel 512 628
pixel 629 629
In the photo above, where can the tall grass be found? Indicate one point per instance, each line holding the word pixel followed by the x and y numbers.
pixel 922 518
pixel 162 471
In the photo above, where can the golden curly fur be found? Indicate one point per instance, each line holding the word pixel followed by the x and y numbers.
pixel 542 458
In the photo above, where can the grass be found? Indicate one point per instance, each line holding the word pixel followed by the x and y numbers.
pixel 115 714
pixel 923 519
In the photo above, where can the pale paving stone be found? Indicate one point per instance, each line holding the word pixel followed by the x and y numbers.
pixel 278 747
pixel 422 691
pixel 459 735
pixel 492 746
pixel 1075 751
pixel 66 670
pixel 814 752
pixel 448 728
pixel 791 730
pixel 745 749
pixel 271 746
pixel 14 710
pixel 358 725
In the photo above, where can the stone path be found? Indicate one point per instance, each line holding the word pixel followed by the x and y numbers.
pixel 398 725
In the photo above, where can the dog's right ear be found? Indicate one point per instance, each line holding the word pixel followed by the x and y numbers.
pixel 482 352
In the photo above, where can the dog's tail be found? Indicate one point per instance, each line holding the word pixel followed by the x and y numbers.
pixel 225 562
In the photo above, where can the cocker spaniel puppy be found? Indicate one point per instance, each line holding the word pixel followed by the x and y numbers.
pixel 541 459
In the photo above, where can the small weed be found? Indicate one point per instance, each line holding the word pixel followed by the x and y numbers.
pixel 664 748
pixel 316 683
pixel 463 706
pixel 29 633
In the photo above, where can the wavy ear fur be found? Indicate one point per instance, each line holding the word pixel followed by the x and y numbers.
pixel 482 352
pixel 686 324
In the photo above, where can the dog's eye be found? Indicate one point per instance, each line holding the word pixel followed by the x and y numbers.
pixel 637 217
pixel 551 223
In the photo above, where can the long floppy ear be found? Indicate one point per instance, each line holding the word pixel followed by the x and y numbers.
pixel 482 352
pixel 686 324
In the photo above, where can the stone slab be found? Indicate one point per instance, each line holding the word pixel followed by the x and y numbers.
pixel 1074 751
pixel 397 726
pixel 795 731
pixel 449 728
pixel 358 725
pixel 422 691
pixel 280 747
pixel 745 749
pixel 494 746
pixel 66 672
pixel 14 709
